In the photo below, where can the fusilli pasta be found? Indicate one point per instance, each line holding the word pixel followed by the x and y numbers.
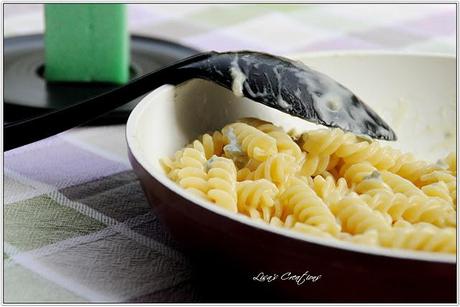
pixel 257 199
pixel 222 182
pixel 325 183
pixel 256 144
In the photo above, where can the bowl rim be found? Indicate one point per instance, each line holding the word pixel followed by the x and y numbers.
pixel 136 151
pixel 360 52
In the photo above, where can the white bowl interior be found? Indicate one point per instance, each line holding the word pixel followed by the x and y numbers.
pixel 415 94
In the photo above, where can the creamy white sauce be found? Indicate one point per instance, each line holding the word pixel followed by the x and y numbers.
pixel 233 148
pixel 238 78
pixel 254 94
pixel 401 113
pixel 425 126
pixel 332 102
pixel 279 99
pixel 329 100
pixel 283 103
pixel 246 85
pixel 298 93
pixel 328 96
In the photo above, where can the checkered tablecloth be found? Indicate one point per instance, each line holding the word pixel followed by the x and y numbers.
pixel 77 227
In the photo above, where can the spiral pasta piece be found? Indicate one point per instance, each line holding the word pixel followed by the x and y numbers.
pixel 356 217
pixel 247 171
pixel 167 164
pixel 380 157
pixel 244 174
pixel 415 170
pixel 288 222
pixel 316 165
pixel 401 185
pixel 172 165
pixel 256 144
pixel 328 189
pixel 355 173
pixel 406 187
pixel 300 200
pixel 372 185
pixel 442 176
pixel 349 147
pixel 191 173
pixel 326 141
pixel 222 183
pixel 413 209
pixel 277 168
pixel 352 149
pixel 438 189
pixel 212 144
pixel 284 142
pixel 424 237
pixel 258 195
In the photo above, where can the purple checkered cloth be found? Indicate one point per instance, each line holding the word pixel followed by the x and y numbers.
pixel 77 227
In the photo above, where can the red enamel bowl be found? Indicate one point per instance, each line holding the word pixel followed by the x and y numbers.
pixel 415 94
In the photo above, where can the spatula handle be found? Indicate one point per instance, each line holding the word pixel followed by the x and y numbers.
pixel 24 132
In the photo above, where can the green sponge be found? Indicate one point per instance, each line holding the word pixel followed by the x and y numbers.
pixel 86 42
